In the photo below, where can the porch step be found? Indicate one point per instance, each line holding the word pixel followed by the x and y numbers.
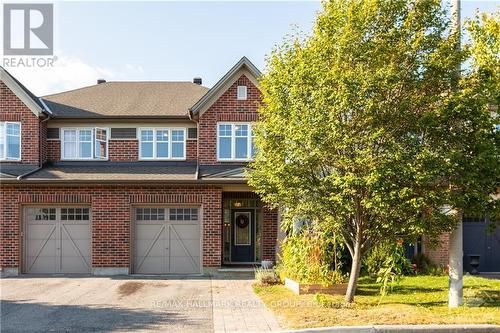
pixel 236 270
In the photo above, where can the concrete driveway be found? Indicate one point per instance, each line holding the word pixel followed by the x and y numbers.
pixel 95 304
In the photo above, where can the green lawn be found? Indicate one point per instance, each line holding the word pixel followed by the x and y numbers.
pixel 417 300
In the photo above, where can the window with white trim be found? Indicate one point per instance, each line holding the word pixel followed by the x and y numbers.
pixel 241 93
pixel 84 144
pixel 10 141
pixel 162 143
pixel 235 142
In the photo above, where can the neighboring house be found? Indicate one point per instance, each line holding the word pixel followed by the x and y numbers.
pixel 131 178
pixel 144 178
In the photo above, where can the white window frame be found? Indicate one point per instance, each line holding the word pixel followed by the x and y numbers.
pixel 155 129
pixel 233 142
pixel 93 142
pixel 241 93
pixel 5 157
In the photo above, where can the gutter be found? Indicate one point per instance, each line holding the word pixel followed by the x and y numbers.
pixel 40 163
pixel 20 177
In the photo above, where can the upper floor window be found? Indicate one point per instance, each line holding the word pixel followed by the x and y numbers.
pixel 241 92
pixel 162 143
pixel 10 140
pixel 235 141
pixel 84 144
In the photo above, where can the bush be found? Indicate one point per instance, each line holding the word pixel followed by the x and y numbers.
pixel 424 266
pixel 374 260
pixel 266 276
pixel 308 258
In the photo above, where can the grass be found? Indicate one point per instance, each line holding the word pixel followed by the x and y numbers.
pixel 416 300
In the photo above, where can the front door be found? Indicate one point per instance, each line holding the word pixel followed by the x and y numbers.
pixel 242 236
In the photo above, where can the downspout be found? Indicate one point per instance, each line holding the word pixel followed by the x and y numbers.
pixel 40 163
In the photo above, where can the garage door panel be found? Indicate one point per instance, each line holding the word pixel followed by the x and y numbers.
pixel 149 265
pixel 42 264
pixel 74 264
pixel 67 250
pixel 76 231
pixel 35 248
pixel 176 249
pixel 191 246
pixel 187 231
pixel 143 247
pixel 184 265
pixel 147 232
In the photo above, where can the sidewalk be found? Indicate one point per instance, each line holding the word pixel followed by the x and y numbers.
pixel 237 309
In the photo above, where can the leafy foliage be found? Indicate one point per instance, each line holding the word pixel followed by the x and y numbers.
pixel 393 267
pixel 364 128
pixel 266 276
pixel 308 257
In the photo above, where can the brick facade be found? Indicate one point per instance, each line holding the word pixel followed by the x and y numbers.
pixel 269 234
pixel 111 208
pixel 13 109
pixel 226 108
pixel 112 205
pixel 123 150
pixel 439 254
pixel 53 150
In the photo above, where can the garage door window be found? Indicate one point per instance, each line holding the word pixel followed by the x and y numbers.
pixel 150 214
pixel 42 214
pixel 183 214
pixel 74 214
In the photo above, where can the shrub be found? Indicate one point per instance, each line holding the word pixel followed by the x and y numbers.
pixel 266 276
pixel 308 258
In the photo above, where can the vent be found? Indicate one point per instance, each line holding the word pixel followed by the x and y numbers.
pixel 52 133
pixel 197 80
pixel 123 133
pixel 192 133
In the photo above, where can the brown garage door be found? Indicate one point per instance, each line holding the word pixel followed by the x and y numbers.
pixel 167 241
pixel 57 240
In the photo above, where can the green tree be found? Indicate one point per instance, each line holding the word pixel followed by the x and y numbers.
pixel 362 126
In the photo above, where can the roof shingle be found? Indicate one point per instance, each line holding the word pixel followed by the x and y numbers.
pixel 126 99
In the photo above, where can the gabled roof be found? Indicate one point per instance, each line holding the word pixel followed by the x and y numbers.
pixel 127 100
pixel 27 97
pixel 244 66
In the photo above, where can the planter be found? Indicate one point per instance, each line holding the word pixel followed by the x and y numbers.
pixel 267 264
pixel 303 288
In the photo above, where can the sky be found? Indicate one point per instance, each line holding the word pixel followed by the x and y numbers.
pixel 169 41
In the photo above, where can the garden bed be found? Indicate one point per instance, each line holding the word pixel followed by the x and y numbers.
pixel 303 288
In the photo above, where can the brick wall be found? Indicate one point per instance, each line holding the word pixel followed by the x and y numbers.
pixel 13 109
pixel 269 233
pixel 123 150
pixel 226 108
pixel 438 254
pixel 53 150
pixel 111 208
pixel 191 150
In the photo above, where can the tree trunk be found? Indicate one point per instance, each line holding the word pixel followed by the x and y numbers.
pixel 355 268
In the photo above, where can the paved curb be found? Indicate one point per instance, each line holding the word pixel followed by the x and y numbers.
pixel 403 328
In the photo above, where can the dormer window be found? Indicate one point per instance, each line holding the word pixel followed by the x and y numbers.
pixel 84 144
pixel 242 93
pixel 10 141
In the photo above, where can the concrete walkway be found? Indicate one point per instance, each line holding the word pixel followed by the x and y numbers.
pixel 237 309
